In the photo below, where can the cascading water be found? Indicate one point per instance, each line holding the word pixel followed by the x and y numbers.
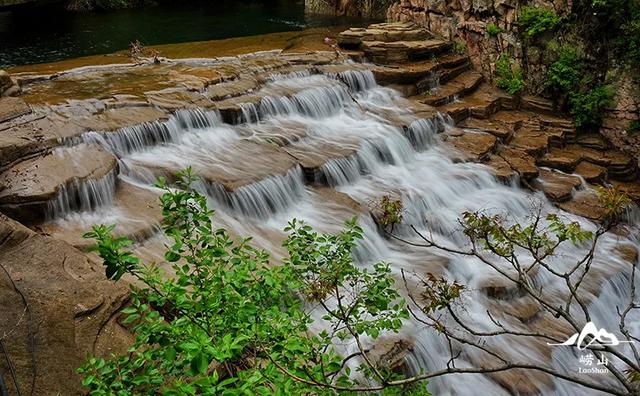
pixel 350 110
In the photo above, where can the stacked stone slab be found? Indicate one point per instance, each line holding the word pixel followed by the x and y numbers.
pixel 516 136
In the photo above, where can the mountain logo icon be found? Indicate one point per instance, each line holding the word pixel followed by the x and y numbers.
pixel 601 336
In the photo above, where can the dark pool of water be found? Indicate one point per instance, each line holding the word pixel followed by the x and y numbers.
pixel 38 35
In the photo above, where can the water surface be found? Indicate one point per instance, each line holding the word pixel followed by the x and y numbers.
pixel 39 35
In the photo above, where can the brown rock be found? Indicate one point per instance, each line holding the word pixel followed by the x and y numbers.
pixel 114 119
pixel 584 203
pixel 496 128
pixel 592 173
pixel 32 184
pixel 521 162
pixel 557 186
pixel 11 108
pixel 475 145
pixel 501 168
pixel 70 305
pixel 139 217
pixel 458 87
pixel 402 51
pixel 8 86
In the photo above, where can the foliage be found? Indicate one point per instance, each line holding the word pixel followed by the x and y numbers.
pixel 614 202
pixel 634 126
pixel 438 292
pixel 228 322
pixel 459 47
pixel 628 42
pixel 502 240
pixel 509 75
pixel 391 212
pixel 493 30
pixel 587 108
pixel 564 74
pixel 535 21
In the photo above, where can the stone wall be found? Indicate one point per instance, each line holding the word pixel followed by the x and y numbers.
pixel 467 20
pixel 626 109
pixel 358 8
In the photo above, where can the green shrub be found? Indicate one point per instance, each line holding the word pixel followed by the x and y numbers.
pixel 634 126
pixel 229 322
pixel 493 30
pixel 587 108
pixel 628 42
pixel 535 21
pixel 564 74
pixel 508 76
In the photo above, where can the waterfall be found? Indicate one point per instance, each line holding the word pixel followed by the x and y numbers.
pixel 380 157
pixel 82 195
pixel 138 137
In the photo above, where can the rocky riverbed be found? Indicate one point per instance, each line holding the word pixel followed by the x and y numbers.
pixel 318 131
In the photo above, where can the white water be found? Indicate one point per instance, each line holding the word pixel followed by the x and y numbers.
pixel 307 111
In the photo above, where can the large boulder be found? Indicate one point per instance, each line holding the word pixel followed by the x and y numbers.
pixel 8 86
pixel 56 307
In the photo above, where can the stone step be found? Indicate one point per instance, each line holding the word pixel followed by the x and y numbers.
pixel 474 146
pixel 501 168
pixel 537 104
pixel 382 32
pixel 592 141
pixel 381 52
pixel 481 103
pixel 536 141
pixel 22 141
pixel 499 129
pixel 556 185
pixel 520 162
pixel 135 211
pixel 619 165
pixel 456 88
pixel 407 73
pixel 585 203
pixel 29 188
pixel 590 172
pixel 232 165
pixel 314 155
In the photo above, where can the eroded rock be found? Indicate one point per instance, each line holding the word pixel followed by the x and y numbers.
pixel 32 185
pixel 70 303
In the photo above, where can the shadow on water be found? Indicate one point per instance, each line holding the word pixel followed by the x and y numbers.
pixel 49 33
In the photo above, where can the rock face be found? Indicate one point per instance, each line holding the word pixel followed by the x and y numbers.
pixel 361 8
pixel 467 21
pixel 622 125
pixel 8 86
pixel 69 310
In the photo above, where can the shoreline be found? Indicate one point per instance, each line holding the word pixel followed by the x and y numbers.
pixel 297 40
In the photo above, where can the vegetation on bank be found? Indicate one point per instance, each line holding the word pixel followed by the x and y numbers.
pixel 229 321
pixel 509 75
pixel 587 50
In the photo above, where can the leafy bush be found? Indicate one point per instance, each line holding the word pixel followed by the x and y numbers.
pixel 628 42
pixel 564 74
pixel 535 21
pixel 634 126
pixel 493 30
pixel 587 108
pixel 509 76
pixel 229 322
